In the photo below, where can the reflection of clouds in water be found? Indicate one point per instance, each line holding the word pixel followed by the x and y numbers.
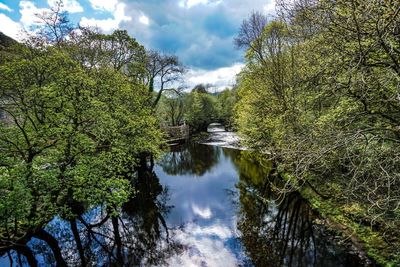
pixel 204 206
pixel 206 246
pixel 204 213
pixel 205 198
pixel 216 230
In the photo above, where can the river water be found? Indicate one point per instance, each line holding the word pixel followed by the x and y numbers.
pixel 201 205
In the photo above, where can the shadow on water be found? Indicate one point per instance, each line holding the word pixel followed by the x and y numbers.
pixel 229 217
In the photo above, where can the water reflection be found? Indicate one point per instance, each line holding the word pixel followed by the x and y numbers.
pixel 281 233
pixel 229 216
pixel 219 210
pixel 201 194
pixel 190 160
pixel 138 236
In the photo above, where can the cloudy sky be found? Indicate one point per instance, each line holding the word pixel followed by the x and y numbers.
pixel 199 32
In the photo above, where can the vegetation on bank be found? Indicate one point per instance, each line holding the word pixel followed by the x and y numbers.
pixel 320 94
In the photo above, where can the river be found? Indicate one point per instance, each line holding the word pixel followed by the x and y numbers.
pixel 200 205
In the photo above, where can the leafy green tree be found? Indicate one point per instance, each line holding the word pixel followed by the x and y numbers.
pixel 226 101
pixel 319 93
pixel 200 110
pixel 118 51
pixel 71 135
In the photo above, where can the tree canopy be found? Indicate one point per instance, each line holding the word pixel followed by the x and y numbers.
pixel 320 95
pixel 76 121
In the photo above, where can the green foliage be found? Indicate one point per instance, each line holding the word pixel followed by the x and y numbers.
pixel 322 100
pixel 170 109
pixel 72 132
pixel 197 108
pixel 200 110
pixel 226 101
pixel 117 51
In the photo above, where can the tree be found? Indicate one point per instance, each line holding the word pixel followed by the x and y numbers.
pixel 162 70
pixel 52 26
pixel 117 50
pixel 319 93
pixel 201 88
pixel 251 33
pixel 171 108
pixel 226 101
pixel 74 135
pixel 200 110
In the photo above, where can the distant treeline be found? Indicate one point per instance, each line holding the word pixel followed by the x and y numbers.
pixel 198 108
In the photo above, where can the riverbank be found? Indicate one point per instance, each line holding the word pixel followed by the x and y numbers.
pixel 372 239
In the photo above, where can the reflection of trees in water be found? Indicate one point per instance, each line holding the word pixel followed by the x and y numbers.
pixel 282 237
pixel 284 233
pixel 190 159
pixel 137 236
pixel 21 254
pixel 231 153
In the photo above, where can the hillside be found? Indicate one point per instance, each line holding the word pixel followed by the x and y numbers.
pixel 6 41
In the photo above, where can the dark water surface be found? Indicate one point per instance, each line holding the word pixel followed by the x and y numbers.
pixel 199 206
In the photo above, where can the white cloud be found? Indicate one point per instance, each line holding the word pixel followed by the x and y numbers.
pixel 13 29
pixel 109 24
pixel 104 5
pixel 144 19
pixel 192 3
pixel 203 243
pixel 270 7
pixel 28 12
pixel 220 78
pixel 205 213
pixel 72 6
pixel 5 7
pixel 219 230
pixel 105 25
pixel 119 13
